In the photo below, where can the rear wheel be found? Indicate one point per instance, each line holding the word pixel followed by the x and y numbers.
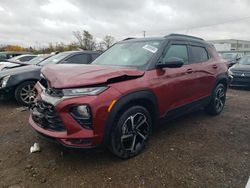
pixel 131 133
pixel 218 100
pixel 25 93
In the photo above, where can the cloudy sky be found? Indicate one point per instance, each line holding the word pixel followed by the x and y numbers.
pixel 38 22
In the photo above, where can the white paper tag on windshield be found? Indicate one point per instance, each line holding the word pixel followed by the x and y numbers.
pixel 150 48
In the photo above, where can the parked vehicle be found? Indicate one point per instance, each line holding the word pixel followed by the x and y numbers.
pixel 231 58
pixel 38 59
pixel 20 81
pixel 8 55
pixel 116 101
pixel 241 73
pixel 22 58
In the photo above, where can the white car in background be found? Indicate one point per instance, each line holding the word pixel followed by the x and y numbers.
pixel 23 58
pixel 14 61
pixel 13 64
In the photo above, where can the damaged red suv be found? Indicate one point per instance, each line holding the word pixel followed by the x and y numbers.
pixel 117 100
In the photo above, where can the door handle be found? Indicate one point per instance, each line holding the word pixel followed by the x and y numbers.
pixel 189 71
pixel 215 66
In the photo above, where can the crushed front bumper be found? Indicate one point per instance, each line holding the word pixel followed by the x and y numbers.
pixel 46 120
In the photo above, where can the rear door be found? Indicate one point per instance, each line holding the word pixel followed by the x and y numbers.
pixel 204 70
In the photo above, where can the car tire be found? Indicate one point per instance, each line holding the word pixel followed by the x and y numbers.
pixel 130 134
pixel 25 93
pixel 218 100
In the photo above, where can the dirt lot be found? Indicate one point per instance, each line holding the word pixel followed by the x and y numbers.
pixel 194 151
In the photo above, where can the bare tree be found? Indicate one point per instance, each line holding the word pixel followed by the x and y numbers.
pixel 100 47
pixel 79 37
pixel 88 41
pixel 85 40
pixel 108 41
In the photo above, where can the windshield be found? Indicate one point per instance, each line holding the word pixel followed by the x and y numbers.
pixel 245 60
pixel 229 56
pixel 129 54
pixel 38 59
pixel 54 59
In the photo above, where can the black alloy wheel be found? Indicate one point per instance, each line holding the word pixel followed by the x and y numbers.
pixel 218 100
pixel 130 135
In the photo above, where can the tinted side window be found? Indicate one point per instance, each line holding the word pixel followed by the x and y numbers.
pixel 79 59
pixel 199 54
pixel 177 50
pixel 94 56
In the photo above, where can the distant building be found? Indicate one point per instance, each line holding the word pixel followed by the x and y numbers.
pixel 230 45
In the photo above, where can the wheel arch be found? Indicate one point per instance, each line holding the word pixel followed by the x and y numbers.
pixel 145 98
pixel 223 79
pixel 18 79
pixel 17 90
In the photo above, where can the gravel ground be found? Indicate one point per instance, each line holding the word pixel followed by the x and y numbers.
pixel 196 150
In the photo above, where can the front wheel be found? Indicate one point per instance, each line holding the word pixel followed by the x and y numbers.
pixel 131 133
pixel 218 100
pixel 25 93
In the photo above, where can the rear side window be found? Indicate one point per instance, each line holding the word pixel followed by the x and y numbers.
pixel 26 58
pixel 178 51
pixel 199 54
pixel 79 59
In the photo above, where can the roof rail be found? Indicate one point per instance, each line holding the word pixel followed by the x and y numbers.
pixel 129 38
pixel 181 35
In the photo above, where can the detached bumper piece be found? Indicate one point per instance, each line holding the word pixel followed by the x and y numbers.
pixel 46 117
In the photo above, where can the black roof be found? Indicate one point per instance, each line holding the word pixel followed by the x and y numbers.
pixel 171 36
pixel 183 36
pixel 81 52
pixel 187 38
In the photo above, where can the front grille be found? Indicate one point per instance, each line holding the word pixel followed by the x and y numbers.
pixel 239 73
pixel 241 79
pixel 45 116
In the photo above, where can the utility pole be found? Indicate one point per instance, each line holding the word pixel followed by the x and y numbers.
pixel 144 33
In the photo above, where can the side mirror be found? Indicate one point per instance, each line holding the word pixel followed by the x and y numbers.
pixel 172 62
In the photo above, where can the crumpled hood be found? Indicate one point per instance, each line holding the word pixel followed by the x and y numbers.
pixel 70 76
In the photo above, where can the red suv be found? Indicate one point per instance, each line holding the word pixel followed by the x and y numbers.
pixel 117 100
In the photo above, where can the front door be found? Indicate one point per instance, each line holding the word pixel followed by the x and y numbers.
pixel 175 86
